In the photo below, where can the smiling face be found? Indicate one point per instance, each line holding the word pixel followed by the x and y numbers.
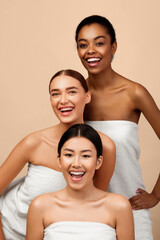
pixel 94 48
pixel 68 99
pixel 78 162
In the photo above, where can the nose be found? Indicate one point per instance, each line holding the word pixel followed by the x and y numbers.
pixel 76 163
pixel 91 49
pixel 63 98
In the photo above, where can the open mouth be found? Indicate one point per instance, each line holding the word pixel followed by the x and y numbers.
pixel 76 176
pixel 66 110
pixel 93 61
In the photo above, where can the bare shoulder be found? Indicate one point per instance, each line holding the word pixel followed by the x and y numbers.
pixel 134 89
pixel 118 202
pixel 130 85
pixel 45 202
pixel 41 202
pixel 107 141
pixel 34 139
pixel 137 91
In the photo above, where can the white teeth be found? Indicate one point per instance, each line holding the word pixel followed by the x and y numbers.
pixel 66 109
pixel 76 173
pixel 93 59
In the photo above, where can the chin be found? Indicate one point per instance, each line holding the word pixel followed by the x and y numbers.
pixel 76 186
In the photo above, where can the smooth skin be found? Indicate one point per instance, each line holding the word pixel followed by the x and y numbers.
pixel 115 97
pixel 40 148
pixel 79 154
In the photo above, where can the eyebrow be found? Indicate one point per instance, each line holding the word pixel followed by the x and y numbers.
pixel 83 39
pixel 85 150
pixel 57 89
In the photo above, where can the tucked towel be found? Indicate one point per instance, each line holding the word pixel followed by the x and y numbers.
pixel 79 230
pixel 15 200
pixel 127 175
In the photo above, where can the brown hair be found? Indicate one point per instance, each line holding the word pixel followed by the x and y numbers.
pixel 73 74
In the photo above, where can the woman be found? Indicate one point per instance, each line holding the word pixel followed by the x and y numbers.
pixel 115 109
pixel 80 211
pixel 68 95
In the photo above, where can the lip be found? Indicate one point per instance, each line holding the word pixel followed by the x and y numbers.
pixel 76 176
pixel 93 61
pixel 66 111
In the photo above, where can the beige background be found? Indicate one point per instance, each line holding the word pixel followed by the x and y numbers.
pixel 37 39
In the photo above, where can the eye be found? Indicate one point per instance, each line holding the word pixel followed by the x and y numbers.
pixel 55 94
pixel 68 155
pixel 82 45
pixel 72 92
pixel 85 156
pixel 99 44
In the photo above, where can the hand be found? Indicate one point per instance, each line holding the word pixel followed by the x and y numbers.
pixel 143 200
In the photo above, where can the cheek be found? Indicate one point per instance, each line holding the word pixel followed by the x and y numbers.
pixel 80 53
pixel 65 163
pixel 80 100
pixel 91 166
pixel 54 103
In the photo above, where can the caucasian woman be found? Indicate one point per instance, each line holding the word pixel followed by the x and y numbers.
pixel 68 95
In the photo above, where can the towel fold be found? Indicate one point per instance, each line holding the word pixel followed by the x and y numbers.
pixel 15 200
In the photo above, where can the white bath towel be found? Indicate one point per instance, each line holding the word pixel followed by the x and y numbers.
pixel 127 177
pixel 79 230
pixel 15 200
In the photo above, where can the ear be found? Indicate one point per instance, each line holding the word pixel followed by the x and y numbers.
pixel 59 160
pixel 99 162
pixel 114 47
pixel 88 97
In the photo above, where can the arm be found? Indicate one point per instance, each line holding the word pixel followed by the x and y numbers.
pixel 144 199
pixel 104 174
pixel 35 226
pixel 145 103
pixel 124 220
pixel 1 231
pixel 16 160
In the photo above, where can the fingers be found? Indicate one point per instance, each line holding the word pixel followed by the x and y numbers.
pixel 134 198
pixel 136 201
pixel 138 204
pixel 137 208
pixel 139 190
pixel 143 200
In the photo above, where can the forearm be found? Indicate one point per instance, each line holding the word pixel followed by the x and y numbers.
pixel 156 189
pixel 1 230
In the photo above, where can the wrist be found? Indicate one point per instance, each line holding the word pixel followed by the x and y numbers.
pixel 156 195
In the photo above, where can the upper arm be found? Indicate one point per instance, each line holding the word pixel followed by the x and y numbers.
pixel 35 227
pixel 124 220
pixel 146 104
pixel 15 161
pixel 104 174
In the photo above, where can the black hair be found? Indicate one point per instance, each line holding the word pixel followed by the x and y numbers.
pixel 82 130
pixel 73 74
pixel 100 20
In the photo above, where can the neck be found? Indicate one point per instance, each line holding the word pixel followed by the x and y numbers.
pixel 82 195
pixel 101 80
